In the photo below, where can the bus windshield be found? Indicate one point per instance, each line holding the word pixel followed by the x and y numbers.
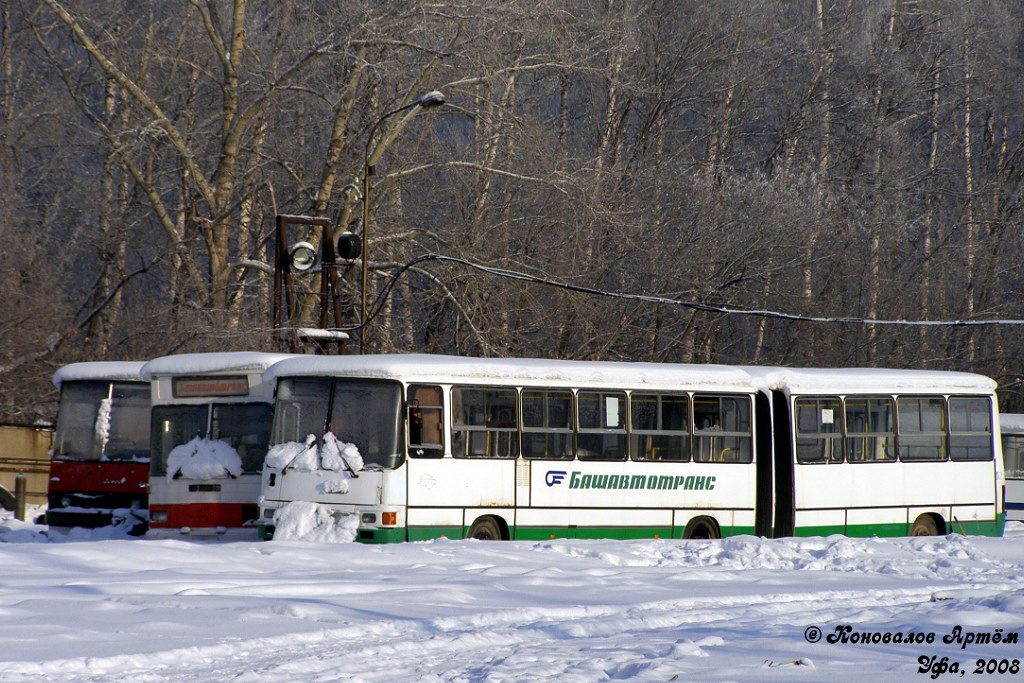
pixel 103 421
pixel 245 427
pixel 366 413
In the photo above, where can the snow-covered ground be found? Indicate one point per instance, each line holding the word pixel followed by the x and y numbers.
pixel 99 607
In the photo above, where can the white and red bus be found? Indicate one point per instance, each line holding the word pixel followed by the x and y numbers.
pixel 211 419
pixel 412 447
pixel 99 469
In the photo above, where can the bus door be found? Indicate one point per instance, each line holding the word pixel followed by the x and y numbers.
pixel 479 477
pixel 763 464
pixel 785 499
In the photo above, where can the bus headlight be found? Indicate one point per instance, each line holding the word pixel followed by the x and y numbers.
pixel 368 518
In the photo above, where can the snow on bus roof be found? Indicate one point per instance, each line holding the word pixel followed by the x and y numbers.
pixel 428 367
pixel 201 363
pixel 113 370
pixel 862 380
pixel 1012 423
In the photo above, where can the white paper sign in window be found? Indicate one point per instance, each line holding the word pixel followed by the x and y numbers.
pixel 611 409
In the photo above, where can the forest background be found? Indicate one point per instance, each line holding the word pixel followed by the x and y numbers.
pixel 848 159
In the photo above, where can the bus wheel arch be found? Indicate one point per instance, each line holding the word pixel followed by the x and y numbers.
pixel 489 528
pixel 928 524
pixel 702 528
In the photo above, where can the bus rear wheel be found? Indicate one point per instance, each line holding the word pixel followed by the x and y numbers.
pixel 701 528
pixel 486 529
pixel 924 526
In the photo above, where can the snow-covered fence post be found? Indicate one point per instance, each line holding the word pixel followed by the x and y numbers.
pixel 19 496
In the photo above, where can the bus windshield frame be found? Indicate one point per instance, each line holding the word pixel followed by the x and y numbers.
pixel 243 426
pixel 315 406
pixel 103 421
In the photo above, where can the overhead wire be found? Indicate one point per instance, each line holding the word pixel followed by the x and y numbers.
pixel 378 304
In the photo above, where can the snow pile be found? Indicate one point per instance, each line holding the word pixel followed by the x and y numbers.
pixel 949 557
pixel 332 456
pixel 338 455
pixel 13 530
pixel 203 458
pixel 744 609
pixel 302 521
pixel 333 486
pixel 102 427
pixel 294 455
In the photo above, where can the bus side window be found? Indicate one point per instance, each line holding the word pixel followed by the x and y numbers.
pixel 484 422
pixel 870 434
pixel 547 424
pixel 819 437
pixel 722 429
pixel 601 428
pixel 659 426
pixel 921 428
pixel 426 415
pixel 1013 455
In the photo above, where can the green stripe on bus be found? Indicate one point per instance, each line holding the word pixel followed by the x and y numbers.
pixel 388 535
pixel 523 533
pixel 984 528
pixel 429 533
pixel 974 528
pixel 532 533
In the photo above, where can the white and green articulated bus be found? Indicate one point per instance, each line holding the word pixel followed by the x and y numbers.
pixel 420 447
pixel 880 452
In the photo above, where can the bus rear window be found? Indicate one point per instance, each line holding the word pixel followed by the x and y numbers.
pixel 970 428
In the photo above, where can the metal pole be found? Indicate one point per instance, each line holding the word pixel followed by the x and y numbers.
pixel 431 99
pixel 19 496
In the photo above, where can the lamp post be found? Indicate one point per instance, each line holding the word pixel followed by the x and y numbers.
pixel 431 99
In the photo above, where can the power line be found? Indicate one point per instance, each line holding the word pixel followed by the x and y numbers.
pixel 506 273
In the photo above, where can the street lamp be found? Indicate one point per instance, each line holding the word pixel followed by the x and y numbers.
pixel 431 99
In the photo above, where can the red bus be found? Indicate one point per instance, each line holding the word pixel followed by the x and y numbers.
pixel 99 470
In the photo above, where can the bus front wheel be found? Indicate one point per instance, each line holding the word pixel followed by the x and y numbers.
pixel 924 526
pixel 486 529
pixel 701 528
